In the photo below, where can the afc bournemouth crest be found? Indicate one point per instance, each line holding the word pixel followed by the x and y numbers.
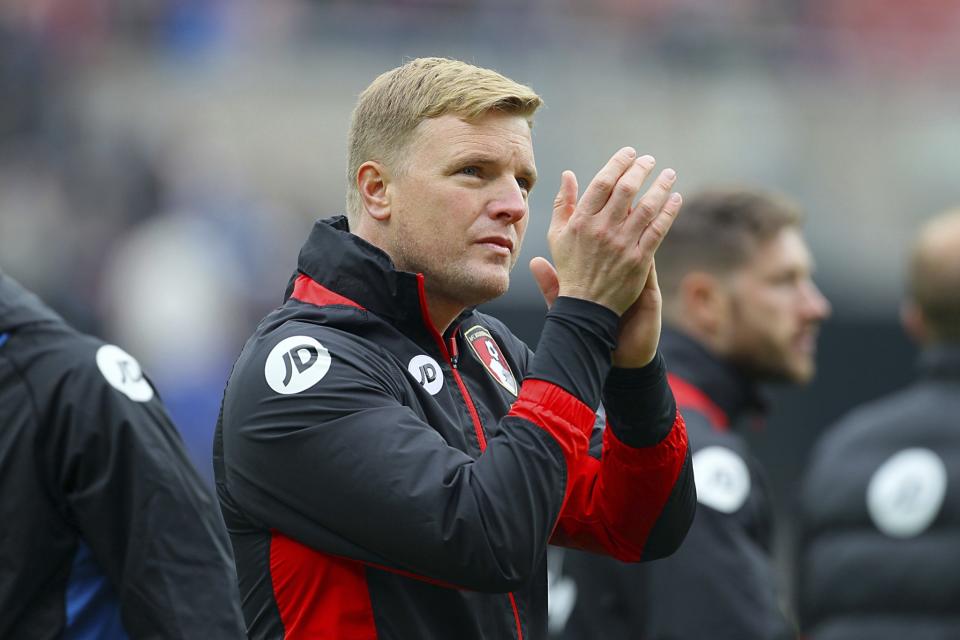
pixel 485 348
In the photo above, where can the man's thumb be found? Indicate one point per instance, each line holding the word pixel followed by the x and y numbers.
pixel 566 201
pixel 547 280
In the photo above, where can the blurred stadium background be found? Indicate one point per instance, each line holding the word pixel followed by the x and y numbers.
pixel 162 160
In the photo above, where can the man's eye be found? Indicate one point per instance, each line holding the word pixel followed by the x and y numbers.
pixel 786 279
pixel 470 171
pixel 524 184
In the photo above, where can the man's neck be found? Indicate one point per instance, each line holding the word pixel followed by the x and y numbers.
pixel 696 333
pixel 442 312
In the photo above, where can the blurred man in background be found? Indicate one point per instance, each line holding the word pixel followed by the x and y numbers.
pixel 107 530
pixel 880 551
pixel 741 309
pixel 392 463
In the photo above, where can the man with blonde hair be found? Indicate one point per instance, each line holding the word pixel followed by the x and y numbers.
pixel 880 508
pixel 392 463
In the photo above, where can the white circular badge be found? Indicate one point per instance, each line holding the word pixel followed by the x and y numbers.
pixel 427 372
pixel 722 478
pixel 906 492
pixel 296 364
pixel 123 372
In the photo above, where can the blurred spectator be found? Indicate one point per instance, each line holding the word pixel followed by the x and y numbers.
pixel 880 511
pixel 740 308
pixel 107 530
pixel 183 287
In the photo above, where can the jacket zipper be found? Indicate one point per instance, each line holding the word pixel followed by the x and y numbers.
pixel 453 357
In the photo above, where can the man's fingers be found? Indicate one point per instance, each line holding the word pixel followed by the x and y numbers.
pixel 657 230
pixel 547 279
pixel 653 201
pixel 628 186
pixel 566 201
pixel 600 188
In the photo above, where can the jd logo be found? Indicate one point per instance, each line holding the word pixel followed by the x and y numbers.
pixel 295 364
pixel 129 372
pixel 123 373
pixel 427 372
pixel 293 358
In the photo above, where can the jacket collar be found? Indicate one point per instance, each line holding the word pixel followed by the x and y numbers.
pixel 940 361
pixel 727 387
pixel 353 268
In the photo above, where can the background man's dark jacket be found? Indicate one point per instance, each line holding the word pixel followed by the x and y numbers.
pixel 106 530
pixel 880 553
pixel 720 584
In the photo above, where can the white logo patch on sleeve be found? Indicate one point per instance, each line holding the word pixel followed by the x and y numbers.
pixel 722 478
pixel 906 492
pixel 296 364
pixel 123 372
pixel 427 372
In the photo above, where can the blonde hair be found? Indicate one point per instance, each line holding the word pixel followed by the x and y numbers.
pixel 389 110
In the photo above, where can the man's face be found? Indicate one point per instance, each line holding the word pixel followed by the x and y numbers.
pixel 775 311
pixel 459 205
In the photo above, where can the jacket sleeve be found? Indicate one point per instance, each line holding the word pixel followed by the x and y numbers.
pixel 636 499
pixel 151 523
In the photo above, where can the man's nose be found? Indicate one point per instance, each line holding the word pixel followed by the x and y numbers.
pixel 510 201
pixel 815 304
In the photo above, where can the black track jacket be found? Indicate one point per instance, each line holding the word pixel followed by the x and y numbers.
pixel 106 529
pixel 380 480
pixel 879 557
pixel 720 584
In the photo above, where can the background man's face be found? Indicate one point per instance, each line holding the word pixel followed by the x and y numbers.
pixel 775 311
pixel 459 205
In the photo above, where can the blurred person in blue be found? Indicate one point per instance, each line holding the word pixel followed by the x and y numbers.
pixel 107 530
pixel 879 555
pixel 740 309
pixel 391 462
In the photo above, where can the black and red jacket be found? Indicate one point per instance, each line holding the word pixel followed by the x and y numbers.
pixel 721 583
pixel 380 480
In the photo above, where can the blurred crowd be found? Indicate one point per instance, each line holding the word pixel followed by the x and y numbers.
pixel 173 239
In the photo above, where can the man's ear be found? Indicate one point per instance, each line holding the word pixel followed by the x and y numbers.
pixel 702 303
pixel 373 178
pixel 913 322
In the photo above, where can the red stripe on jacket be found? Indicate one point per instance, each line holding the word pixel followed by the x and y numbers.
pixel 690 397
pixel 306 289
pixel 610 505
pixel 615 503
pixel 318 595
pixel 562 415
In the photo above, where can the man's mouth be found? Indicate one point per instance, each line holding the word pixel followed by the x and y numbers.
pixel 498 244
